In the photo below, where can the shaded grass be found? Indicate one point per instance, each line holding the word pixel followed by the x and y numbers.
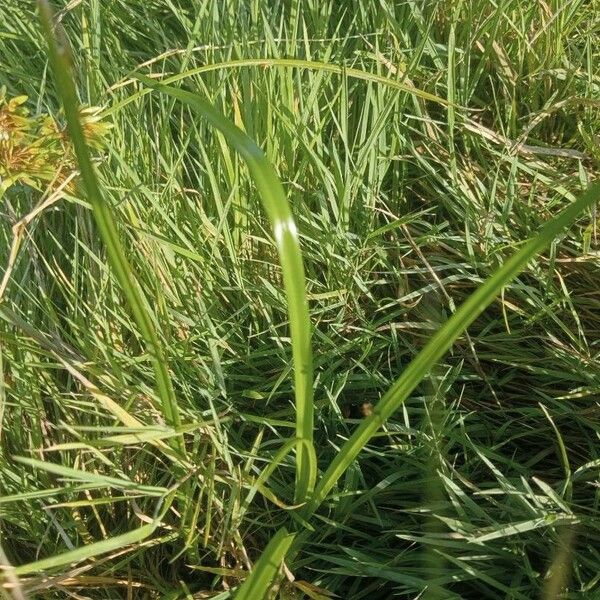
pixel 359 163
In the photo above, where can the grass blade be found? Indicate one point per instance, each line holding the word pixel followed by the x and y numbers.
pixel 93 478
pixel 258 584
pixel 60 61
pixel 441 342
pixel 74 556
pixel 290 63
pixel 286 237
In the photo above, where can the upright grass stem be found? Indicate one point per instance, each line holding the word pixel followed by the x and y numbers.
pixel 267 567
pixel 61 63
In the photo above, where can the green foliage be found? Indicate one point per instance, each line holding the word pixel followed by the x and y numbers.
pixel 60 60
pixel 34 149
pixel 418 145
pixel 266 569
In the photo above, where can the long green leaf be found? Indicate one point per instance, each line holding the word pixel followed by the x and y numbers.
pixel 284 230
pixel 112 544
pixel 74 556
pixel 289 63
pixel 93 478
pixel 61 63
pixel 258 584
pixel 441 342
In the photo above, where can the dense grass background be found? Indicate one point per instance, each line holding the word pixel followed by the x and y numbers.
pixel 488 474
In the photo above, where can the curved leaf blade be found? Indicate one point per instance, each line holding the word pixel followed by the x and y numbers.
pixel 289 63
pixel 441 342
pixel 286 237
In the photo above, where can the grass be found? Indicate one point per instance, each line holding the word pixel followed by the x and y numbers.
pixel 424 146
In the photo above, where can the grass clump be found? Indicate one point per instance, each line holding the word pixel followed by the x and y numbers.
pixel 418 152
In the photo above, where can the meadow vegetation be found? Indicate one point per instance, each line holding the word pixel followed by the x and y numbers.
pixel 162 383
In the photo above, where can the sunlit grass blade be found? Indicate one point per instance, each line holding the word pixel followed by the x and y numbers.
pixel 93 478
pixel 286 236
pixel 290 63
pixel 441 342
pixel 115 543
pixel 60 61
pixel 259 582
pixel 85 552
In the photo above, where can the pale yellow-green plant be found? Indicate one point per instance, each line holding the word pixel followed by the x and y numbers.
pixel 35 150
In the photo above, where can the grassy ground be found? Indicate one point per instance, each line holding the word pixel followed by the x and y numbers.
pixel 487 475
